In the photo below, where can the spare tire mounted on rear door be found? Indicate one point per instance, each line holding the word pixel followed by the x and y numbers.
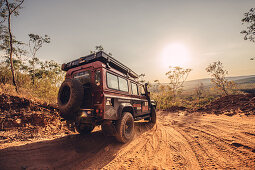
pixel 70 97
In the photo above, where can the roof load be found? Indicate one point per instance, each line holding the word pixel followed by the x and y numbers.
pixel 103 57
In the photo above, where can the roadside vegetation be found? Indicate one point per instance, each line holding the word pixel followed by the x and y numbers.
pixel 172 96
pixel 19 64
pixel 38 78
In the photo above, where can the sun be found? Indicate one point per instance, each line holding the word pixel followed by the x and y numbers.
pixel 175 54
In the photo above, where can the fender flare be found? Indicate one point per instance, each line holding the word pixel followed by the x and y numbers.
pixel 125 107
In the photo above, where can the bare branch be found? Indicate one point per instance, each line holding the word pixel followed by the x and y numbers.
pixel 17 6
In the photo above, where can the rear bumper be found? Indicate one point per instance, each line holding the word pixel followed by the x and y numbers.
pixel 89 116
pixel 86 116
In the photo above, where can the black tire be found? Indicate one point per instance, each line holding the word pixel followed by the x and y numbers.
pixel 83 128
pixel 70 97
pixel 125 128
pixel 153 118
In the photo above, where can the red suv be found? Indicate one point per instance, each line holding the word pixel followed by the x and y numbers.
pixel 99 90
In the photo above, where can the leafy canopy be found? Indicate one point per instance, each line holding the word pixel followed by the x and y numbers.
pixel 249 21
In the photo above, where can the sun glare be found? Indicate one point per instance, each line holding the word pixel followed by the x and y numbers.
pixel 175 54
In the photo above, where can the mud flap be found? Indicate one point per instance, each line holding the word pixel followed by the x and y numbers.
pixel 108 128
pixel 70 125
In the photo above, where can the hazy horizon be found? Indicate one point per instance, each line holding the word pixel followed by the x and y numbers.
pixel 147 36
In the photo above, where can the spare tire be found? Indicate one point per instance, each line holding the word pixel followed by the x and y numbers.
pixel 70 97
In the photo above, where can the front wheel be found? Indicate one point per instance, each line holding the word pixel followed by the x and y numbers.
pixel 153 118
pixel 125 128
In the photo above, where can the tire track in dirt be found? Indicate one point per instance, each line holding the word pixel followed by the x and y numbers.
pixel 177 141
pixel 212 151
pixel 229 149
pixel 203 157
pixel 160 148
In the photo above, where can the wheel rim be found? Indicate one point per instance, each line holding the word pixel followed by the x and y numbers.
pixel 128 128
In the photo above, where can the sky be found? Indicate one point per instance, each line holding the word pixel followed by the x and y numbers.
pixel 146 35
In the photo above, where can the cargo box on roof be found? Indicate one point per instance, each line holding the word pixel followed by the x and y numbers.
pixel 103 57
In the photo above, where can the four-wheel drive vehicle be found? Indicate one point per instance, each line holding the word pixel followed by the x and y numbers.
pixel 99 90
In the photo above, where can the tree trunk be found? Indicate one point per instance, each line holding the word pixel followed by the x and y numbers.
pixel 11 47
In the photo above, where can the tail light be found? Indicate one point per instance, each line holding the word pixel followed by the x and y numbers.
pixel 99 112
pixel 99 108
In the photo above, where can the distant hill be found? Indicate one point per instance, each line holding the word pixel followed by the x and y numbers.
pixel 246 80
pixel 207 81
pixel 189 85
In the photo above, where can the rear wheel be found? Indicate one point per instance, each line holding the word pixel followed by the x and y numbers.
pixel 125 128
pixel 83 128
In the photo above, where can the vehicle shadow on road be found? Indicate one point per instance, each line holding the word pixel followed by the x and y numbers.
pixel 69 152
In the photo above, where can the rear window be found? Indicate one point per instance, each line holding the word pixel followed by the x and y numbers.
pixel 112 81
pixel 83 77
pixel 98 78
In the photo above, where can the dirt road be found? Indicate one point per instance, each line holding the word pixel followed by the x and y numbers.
pixel 178 141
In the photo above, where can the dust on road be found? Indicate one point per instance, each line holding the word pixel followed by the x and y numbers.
pixel 177 141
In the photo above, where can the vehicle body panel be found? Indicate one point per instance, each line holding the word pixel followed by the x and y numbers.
pixel 108 103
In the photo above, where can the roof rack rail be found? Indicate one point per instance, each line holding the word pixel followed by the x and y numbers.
pixel 103 57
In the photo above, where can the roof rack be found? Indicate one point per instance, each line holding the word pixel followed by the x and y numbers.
pixel 103 57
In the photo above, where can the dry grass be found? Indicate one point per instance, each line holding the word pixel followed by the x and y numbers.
pixel 22 93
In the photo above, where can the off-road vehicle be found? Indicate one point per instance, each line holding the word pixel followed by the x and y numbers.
pixel 99 90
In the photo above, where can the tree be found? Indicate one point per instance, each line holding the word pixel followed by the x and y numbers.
pixel 249 20
pixel 35 43
pixel 141 78
pixel 48 77
pixel 219 77
pixel 157 85
pixel 7 9
pixel 177 76
pixel 99 48
pixel 199 91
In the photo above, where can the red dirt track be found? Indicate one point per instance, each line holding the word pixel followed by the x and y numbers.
pixel 178 141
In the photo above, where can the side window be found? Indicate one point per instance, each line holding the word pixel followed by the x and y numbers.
pixel 123 84
pixel 98 78
pixel 134 89
pixel 112 81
